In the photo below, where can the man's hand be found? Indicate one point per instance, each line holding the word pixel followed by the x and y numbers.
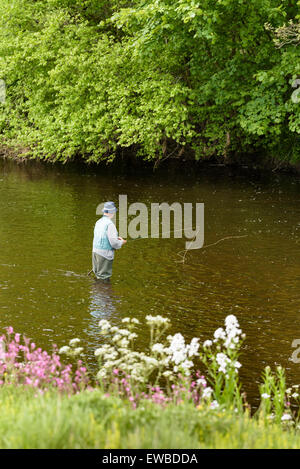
pixel 121 239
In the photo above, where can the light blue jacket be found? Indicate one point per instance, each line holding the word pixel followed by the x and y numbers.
pixel 101 241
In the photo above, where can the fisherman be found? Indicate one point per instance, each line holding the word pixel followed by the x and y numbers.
pixel 106 241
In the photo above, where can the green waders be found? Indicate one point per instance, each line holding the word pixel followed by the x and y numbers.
pixel 102 267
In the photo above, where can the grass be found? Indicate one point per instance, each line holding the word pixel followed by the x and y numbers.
pixel 91 420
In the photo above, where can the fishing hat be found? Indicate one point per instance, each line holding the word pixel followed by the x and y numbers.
pixel 109 207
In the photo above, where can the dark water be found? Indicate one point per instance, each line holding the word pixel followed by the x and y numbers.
pixel 47 216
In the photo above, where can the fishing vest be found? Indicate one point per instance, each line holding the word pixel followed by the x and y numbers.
pixel 100 234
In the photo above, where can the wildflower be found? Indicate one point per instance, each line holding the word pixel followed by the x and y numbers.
pixel 207 343
pixel 124 332
pixel 74 342
pixel 104 326
pixel 101 373
pixel 219 334
pixel 222 361
pixel 207 393
pixel 123 342
pixel 237 365
pixel 192 349
pixel 286 417
pixel 156 320
pixel 132 336
pixel 186 365
pixel 167 374
pixel 201 382
pixel 214 405
pixel 158 348
pixel 64 349
pixel 265 395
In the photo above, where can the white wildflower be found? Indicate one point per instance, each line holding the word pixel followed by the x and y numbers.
pixel 124 332
pixel 132 336
pixel 214 405
pixel 207 343
pixel 167 374
pixel 64 349
pixel 222 361
pixel 207 393
pixel 192 349
pixel 151 361
pixel 104 325
pixel 158 348
pixel 116 338
pixel 123 342
pixel 74 342
pixel 156 320
pixel 201 382
pixel 220 334
pixel 101 373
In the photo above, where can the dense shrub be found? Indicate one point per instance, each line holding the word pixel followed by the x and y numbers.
pixel 92 78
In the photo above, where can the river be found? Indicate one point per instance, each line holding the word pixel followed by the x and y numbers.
pixel 47 216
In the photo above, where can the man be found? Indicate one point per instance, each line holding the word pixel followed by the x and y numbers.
pixel 106 241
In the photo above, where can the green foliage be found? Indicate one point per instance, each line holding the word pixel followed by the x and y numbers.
pixel 92 77
pixel 92 420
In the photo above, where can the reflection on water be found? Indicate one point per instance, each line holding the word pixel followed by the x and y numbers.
pixel 102 305
pixel 47 217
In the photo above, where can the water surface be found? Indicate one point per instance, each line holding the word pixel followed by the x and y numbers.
pixel 47 216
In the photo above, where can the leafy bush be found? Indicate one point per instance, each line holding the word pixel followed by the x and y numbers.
pixel 93 78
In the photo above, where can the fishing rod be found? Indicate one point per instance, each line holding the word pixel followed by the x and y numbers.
pixel 185 250
pixel 144 237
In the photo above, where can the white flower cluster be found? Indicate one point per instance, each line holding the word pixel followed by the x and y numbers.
pixel 225 362
pixel 71 349
pixel 168 358
pixel 157 320
pixel 232 333
pixel 120 354
pixel 227 342
pixel 179 354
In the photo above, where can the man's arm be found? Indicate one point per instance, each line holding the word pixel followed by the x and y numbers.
pixel 112 234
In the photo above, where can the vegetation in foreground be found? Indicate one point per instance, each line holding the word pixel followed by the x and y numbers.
pixel 148 399
pixel 90 419
pixel 167 78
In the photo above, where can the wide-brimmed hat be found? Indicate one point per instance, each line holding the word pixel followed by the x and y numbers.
pixel 109 207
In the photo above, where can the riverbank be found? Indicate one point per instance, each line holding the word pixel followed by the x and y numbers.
pixel 45 403
pixel 91 420
pixel 128 161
